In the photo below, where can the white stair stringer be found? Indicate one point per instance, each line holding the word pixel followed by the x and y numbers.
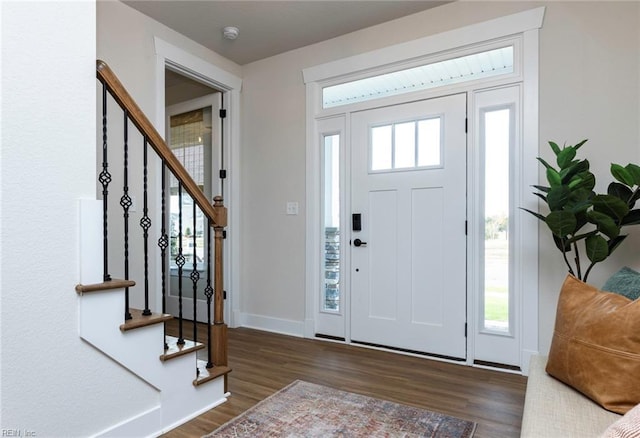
pixel 100 316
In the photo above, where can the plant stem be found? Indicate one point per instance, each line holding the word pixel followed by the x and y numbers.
pixel 635 192
pixel 566 260
pixel 577 259
pixel 586 274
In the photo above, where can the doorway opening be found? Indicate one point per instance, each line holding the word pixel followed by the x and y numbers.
pixel 195 135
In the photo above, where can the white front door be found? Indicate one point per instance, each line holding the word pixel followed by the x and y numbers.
pixel 408 261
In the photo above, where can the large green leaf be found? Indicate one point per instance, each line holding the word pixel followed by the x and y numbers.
pixel 576 206
pixel 566 156
pixel 544 163
pixel 632 218
pixel 634 170
pixel 553 177
pixel 555 148
pixel 541 196
pixel 606 225
pixel 575 168
pixel 597 248
pixel 620 191
pixel 581 237
pixel 579 145
pixel 538 215
pixel 580 201
pixel 561 223
pixel 582 194
pixel 615 243
pixel 562 244
pixel 587 181
pixel 581 220
pixel 557 197
pixel 610 205
pixel 622 174
pixel 544 189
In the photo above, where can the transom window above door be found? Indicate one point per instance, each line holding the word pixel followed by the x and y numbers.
pixel 406 145
pixel 479 65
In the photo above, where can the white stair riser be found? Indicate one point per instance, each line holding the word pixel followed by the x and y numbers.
pixel 138 350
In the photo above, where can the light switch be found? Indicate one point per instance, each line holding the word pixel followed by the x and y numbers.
pixel 292 208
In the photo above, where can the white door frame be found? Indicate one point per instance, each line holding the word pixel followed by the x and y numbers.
pixel 187 64
pixel 525 24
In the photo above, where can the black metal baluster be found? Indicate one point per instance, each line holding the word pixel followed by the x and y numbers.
pixel 208 292
pixel 180 263
pixel 145 223
pixel 163 243
pixel 195 275
pixel 105 178
pixel 125 202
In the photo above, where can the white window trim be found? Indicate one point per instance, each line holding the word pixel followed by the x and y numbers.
pixel 526 24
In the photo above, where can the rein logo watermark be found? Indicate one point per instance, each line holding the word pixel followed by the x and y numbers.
pixel 17 433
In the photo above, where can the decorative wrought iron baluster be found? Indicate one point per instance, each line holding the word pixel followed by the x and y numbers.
pixel 195 276
pixel 105 178
pixel 163 243
pixel 180 263
pixel 145 223
pixel 125 202
pixel 208 292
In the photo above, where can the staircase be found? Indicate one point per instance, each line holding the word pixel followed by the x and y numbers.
pixel 189 376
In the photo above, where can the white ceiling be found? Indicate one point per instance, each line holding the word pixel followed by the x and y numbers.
pixel 268 27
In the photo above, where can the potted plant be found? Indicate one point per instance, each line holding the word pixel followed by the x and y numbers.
pixel 580 220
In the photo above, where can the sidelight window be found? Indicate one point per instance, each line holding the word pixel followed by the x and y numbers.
pixel 331 195
pixel 496 140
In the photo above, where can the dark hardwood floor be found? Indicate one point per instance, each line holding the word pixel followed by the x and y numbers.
pixel 264 363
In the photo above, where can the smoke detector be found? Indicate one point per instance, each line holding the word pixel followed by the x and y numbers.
pixel 230 32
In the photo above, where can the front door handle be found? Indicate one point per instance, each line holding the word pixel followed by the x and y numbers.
pixel 359 242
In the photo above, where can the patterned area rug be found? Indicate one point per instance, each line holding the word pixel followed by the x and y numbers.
pixel 305 409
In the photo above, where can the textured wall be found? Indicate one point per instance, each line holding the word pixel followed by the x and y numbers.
pixel 53 383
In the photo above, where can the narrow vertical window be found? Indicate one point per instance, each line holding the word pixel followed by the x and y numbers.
pixel 496 138
pixel 331 223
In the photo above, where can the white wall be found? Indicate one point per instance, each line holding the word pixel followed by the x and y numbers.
pixel 53 383
pixel 589 88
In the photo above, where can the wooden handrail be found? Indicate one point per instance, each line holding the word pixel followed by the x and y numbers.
pixel 218 216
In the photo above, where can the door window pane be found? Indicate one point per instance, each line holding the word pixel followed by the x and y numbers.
pixel 331 193
pixel 406 145
pixel 381 147
pixel 429 146
pixel 496 139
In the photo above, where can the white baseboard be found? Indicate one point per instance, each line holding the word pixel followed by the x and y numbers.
pixel 138 425
pixel 309 328
pixel 193 415
pixel 270 324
